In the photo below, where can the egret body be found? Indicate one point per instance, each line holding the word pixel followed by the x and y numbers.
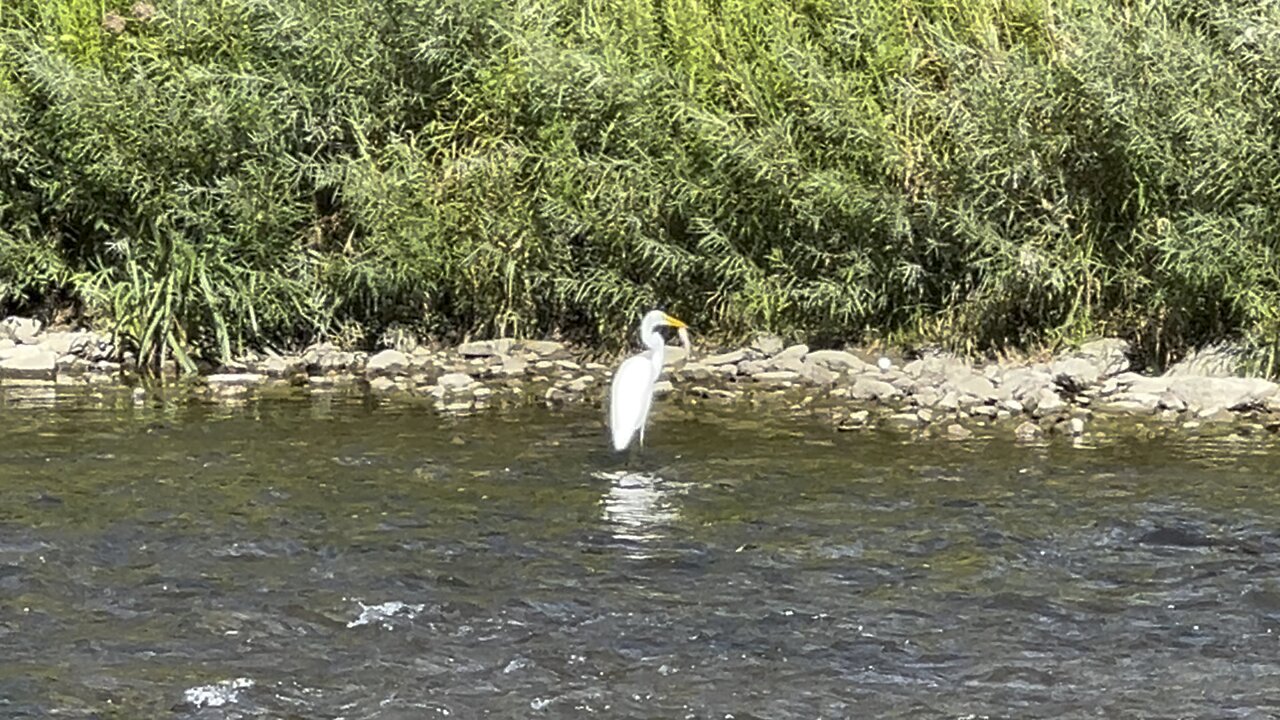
pixel 632 388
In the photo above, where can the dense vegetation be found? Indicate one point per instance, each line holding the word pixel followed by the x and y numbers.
pixel 209 174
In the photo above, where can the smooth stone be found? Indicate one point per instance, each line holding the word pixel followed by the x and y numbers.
pixel 486 348
pixel 732 357
pixel 382 384
pixel 387 362
pixel 1075 374
pixel 1045 402
pixel 975 386
pixel 580 385
pixel 776 377
pixel 542 348
pixel 1221 360
pixel 865 388
pixel 22 330
pixel 1023 383
pixel 234 379
pixel 838 360
pixel 29 361
pixel 1076 426
pixel 817 374
pixel 905 420
pixel 279 366
pixel 767 344
pixel 512 366
pixel 1209 394
pixel 455 381
pixel 1028 431
pixel 956 431
pixel 853 421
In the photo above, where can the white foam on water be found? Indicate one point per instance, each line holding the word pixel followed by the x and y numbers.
pixel 217 694
pixel 384 611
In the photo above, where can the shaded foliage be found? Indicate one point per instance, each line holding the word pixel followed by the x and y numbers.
pixel 214 175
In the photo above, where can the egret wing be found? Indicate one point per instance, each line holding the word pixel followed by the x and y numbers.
pixel 629 398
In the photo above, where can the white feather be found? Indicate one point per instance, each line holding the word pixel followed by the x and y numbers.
pixel 629 398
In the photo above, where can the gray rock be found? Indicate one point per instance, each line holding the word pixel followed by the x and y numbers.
pixel 580 384
pixel 776 377
pixel 513 366
pixel 543 348
pixel 486 348
pixel 817 374
pixel 976 386
pixel 950 401
pixel 905 420
pixel 1222 360
pixel 865 388
pixel 726 358
pixel 695 372
pixel 455 381
pixel 1076 426
pixel 791 359
pixel 1028 431
pixel 927 397
pixel 1044 403
pixel 1022 383
pixel 674 355
pixel 387 362
pixel 1093 362
pixel 767 344
pixel 1110 354
pixel 21 330
pixel 1075 374
pixel 1133 382
pixel 222 380
pixel 838 360
pixel 281 366
pixel 1207 395
pixel 937 367
pixel 1130 403
pixel 28 362
pixel 987 411
pixel 956 431
pixel 853 421
pixel 382 384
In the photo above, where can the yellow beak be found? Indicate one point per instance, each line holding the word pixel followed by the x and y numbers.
pixel 674 322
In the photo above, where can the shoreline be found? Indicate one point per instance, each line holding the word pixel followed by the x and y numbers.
pixel 936 394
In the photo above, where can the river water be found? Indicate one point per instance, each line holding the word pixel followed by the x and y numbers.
pixel 334 557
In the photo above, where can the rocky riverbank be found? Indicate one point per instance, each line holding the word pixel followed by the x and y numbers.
pixel 934 393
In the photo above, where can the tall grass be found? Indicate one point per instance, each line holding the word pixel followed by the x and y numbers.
pixel 234 173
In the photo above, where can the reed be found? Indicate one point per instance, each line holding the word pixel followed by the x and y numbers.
pixel 207 176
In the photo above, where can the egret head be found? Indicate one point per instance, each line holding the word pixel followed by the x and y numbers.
pixel 655 319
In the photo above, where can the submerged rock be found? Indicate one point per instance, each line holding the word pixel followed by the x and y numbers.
pixel 1028 431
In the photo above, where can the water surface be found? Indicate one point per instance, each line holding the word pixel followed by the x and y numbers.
pixel 334 557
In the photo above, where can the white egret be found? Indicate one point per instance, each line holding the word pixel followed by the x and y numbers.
pixel 632 388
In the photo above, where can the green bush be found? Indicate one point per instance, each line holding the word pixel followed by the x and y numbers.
pixel 220 174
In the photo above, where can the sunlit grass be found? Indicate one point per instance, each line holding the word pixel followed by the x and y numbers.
pixel 978 173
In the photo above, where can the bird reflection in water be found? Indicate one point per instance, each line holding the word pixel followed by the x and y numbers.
pixel 638 508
